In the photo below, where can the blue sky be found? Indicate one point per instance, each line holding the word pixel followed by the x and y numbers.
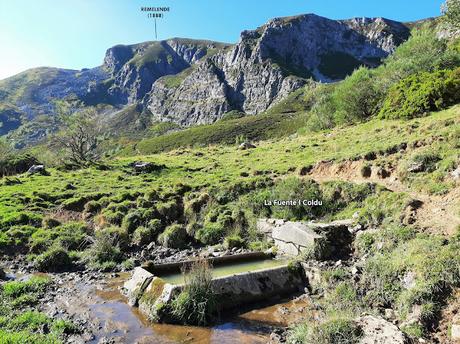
pixel 75 33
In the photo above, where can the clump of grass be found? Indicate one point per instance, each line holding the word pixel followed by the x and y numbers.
pixel 105 252
pixel 15 289
pixel 338 330
pixel 196 304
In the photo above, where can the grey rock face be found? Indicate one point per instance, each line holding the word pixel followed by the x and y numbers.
pixel 272 61
pixel 136 67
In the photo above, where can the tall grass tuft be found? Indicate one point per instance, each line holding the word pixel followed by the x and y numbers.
pixel 196 304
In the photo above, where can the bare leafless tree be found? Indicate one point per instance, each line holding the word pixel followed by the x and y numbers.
pixel 81 137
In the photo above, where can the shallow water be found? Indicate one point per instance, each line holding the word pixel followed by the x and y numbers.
pixel 125 324
pixel 230 269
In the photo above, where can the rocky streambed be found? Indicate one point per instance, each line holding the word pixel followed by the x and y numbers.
pixel 92 301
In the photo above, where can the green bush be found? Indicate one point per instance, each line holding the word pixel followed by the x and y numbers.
pixel 234 241
pixel 421 93
pixel 196 304
pixel 105 251
pixel 16 163
pixel 54 259
pixel 210 233
pixel 357 97
pixel 132 220
pixel 174 236
pixel 293 188
pixel 49 223
pixel 143 236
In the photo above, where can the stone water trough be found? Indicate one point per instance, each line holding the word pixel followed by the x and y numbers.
pixel 150 292
pixel 294 238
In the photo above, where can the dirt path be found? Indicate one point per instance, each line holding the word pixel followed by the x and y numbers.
pixel 437 214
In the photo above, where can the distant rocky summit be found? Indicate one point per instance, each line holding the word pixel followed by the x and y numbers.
pixel 195 82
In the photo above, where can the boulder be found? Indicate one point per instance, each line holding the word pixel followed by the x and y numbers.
pixel 145 167
pixel 293 238
pixel 416 167
pixel 377 330
pixel 247 145
pixel 36 169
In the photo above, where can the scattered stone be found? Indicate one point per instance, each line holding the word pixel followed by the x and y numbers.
pixel 247 145
pixel 455 328
pixel 355 270
pixel 456 174
pixel 416 167
pixel 409 280
pixel 390 314
pixel 37 169
pixel 146 167
pixel 377 330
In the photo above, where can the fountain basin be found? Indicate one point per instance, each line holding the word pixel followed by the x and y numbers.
pixel 238 281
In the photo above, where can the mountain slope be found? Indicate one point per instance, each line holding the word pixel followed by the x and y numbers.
pixel 196 82
pixel 272 61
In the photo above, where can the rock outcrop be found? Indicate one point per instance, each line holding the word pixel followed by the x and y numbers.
pixel 377 330
pixel 270 62
pixel 293 238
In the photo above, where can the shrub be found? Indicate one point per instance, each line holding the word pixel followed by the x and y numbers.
pixel 49 222
pixel 143 236
pixel 196 304
pixel 16 163
pixel 421 93
pixel 337 331
pixel 155 227
pixel 169 210
pixel 293 188
pixel 131 221
pixel 54 259
pixel 105 249
pixel 422 52
pixel 210 233
pixel 234 241
pixel 92 207
pixel 72 236
pixel 174 236
pixel 357 97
